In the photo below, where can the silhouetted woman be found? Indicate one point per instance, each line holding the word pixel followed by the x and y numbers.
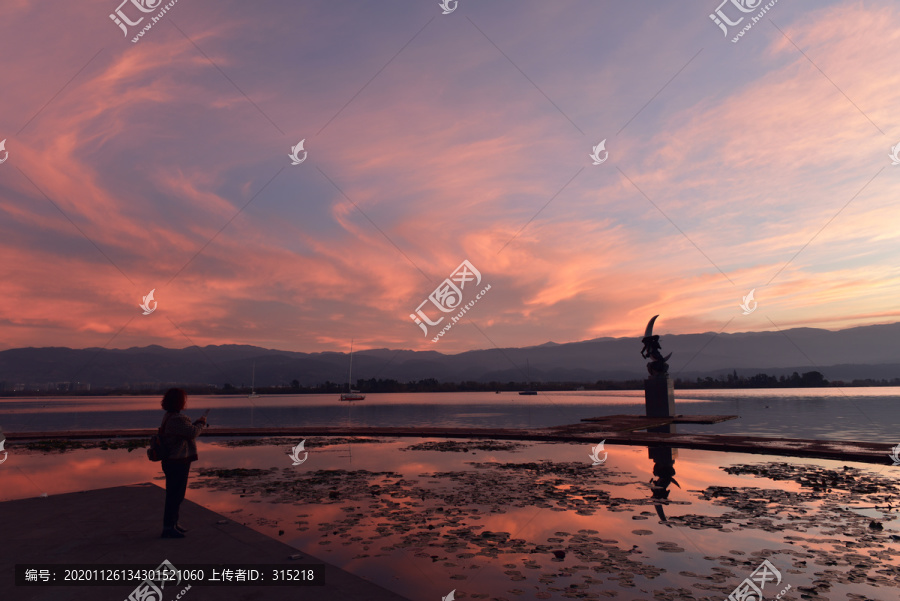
pixel 178 439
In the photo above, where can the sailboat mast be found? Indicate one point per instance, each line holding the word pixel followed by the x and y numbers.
pixel 253 394
pixel 350 375
pixel 351 395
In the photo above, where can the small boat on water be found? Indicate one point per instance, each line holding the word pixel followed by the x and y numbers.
pixel 351 395
pixel 253 394
pixel 528 391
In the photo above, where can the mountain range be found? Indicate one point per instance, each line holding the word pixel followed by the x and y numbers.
pixel 853 353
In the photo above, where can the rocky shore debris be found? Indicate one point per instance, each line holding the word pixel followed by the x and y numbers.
pixel 465 447
pixel 318 442
pixel 65 445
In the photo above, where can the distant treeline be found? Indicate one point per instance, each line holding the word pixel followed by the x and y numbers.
pixel 810 379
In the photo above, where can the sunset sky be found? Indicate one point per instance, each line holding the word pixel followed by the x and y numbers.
pixel 434 139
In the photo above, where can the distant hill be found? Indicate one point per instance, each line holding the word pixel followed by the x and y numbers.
pixel 861 352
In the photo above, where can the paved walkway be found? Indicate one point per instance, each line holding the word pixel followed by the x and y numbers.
pixel 121 525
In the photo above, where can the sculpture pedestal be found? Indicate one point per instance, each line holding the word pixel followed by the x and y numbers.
pixel 659 396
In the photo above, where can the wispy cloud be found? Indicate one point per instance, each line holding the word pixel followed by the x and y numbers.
pixel 450 151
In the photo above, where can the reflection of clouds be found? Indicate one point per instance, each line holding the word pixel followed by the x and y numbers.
pixel 57 473
pixel 325 529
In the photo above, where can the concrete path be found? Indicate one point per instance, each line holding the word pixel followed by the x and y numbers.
pixel 122 525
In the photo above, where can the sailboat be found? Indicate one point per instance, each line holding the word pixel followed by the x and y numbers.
pixel 351 395
pixel 528 391
pixel 253 394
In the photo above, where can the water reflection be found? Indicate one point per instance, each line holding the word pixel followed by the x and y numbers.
pixel 487 519
pixel 663 470
pixel 860 414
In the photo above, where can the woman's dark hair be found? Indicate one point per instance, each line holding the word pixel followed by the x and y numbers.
pixel 174 400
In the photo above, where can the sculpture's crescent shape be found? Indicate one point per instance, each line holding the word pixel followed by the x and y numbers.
pixel 649 331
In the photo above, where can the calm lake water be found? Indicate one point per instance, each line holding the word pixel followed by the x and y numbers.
pixel 522 521
pixel 864 414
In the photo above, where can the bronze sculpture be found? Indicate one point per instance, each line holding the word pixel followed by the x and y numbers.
pixel 651 350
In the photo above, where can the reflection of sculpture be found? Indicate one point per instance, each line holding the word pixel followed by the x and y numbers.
pixel 651 350
pixel 664 470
